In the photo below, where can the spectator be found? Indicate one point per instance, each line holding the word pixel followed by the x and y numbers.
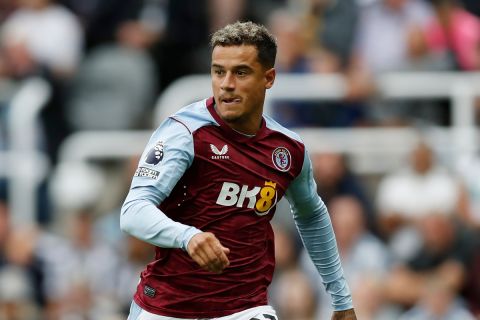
pixel 387 34
pixel 372 303
pixel 103 19
pixel 189 23
pixel 134 255
pixel 26 46
pixel 26 51
pixel 259 11
pixel 454 34
pixel 389 38
pixel 335 32
pixel 334 178
pixel 287 250
pixel 83 267
pixel 298 53
pixel 292 58
pixel 116 84
pixel 292 47
pixel 438 301
pixel 113 90
pixel 88 282
pixel 22 293
pixel 420 188
pixel 296 297
pixel 16 295
pixel 445 254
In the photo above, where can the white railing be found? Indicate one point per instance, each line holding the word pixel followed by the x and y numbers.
pixel 23 164
pixel 101 145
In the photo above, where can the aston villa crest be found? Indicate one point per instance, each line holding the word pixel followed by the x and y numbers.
pixel 281 159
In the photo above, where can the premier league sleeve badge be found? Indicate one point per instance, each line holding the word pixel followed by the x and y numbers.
pixel 155 155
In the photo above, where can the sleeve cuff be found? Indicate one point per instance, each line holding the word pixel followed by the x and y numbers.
pixel 187 235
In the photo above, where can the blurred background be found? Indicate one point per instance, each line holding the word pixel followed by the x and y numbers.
pixel 385 94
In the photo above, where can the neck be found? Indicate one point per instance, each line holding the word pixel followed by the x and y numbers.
pixel 245 134
pixel 248 124
pixel 249 128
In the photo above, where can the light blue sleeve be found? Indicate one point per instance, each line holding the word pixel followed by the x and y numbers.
pixel 168 154
pixel 315 228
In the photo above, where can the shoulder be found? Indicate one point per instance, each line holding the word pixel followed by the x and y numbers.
pixel 178 128
pixel 288 145
pixel 194 116
pixel 275 126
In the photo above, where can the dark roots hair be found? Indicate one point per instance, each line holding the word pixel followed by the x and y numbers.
pixel 248 33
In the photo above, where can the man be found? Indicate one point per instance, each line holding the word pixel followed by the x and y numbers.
pixel 206 189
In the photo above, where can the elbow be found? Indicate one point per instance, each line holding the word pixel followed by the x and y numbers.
pixel 125 220
pixel 124 226
pixel 310 210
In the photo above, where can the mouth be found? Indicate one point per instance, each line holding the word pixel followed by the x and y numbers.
pixel 230 100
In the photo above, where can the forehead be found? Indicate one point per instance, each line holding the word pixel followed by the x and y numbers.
pixel 230 56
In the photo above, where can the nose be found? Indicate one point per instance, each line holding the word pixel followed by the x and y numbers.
pixel 228 82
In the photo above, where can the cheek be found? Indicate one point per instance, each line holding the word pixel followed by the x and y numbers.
pixel 255 90
pixel 215 85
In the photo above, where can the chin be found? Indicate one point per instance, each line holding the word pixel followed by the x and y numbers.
pixel 230 116
pixel 229 113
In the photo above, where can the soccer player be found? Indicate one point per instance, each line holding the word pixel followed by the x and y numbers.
pixel 205 191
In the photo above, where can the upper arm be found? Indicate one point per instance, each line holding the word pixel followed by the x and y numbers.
pixel 168 154
pixel 302 192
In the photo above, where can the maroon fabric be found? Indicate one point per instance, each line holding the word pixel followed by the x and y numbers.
pixel 180 288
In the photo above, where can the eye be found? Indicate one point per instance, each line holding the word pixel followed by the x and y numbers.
pixel 241 73
pixel 218 72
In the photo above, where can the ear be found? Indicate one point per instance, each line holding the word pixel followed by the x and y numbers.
pixel 270 77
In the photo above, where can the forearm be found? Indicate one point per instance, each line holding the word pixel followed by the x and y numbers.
pixel 143 220
pixel 319 239
pixel 315 228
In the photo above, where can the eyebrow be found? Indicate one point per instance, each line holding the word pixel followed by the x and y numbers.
pixel 240 66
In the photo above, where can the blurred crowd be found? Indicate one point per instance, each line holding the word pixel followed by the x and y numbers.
pixel 409 239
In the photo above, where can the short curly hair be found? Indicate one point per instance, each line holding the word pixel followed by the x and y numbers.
pixel 248 33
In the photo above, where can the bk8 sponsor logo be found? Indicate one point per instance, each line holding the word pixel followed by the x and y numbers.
pixel 262 199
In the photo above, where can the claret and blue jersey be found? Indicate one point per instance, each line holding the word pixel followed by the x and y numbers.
pixel 197 173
